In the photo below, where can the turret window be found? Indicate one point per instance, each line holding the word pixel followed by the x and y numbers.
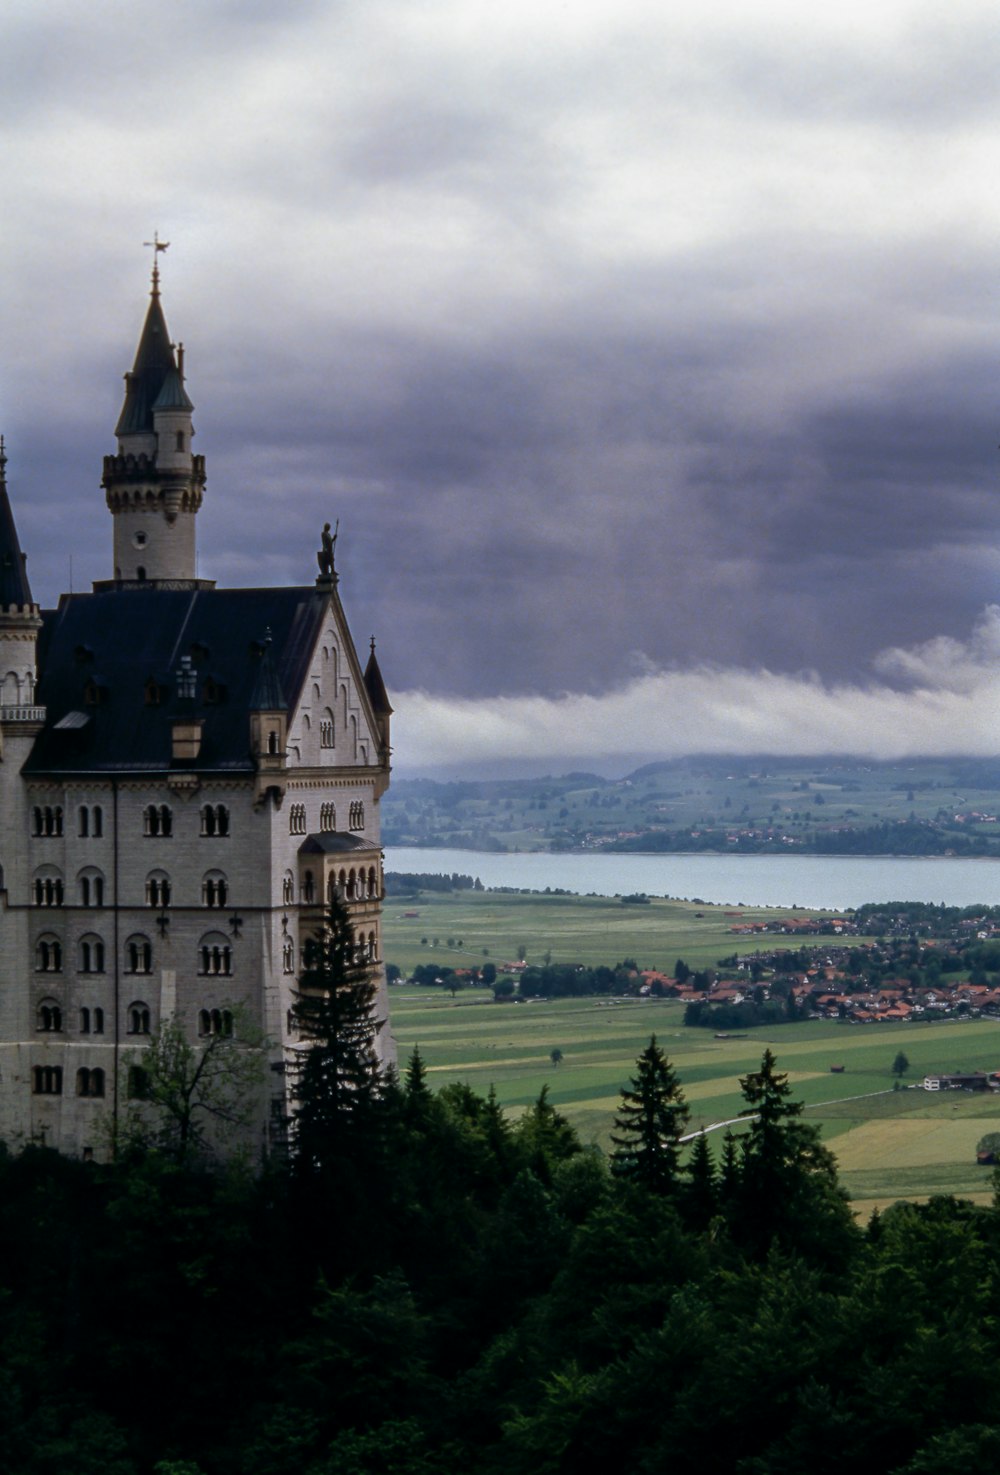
pixel 356 816
pixel 288 889
pixel 327 817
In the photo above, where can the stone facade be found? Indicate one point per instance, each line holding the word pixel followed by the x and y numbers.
pixel 187 774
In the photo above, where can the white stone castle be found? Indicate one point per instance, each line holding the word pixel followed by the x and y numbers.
pixel 187 774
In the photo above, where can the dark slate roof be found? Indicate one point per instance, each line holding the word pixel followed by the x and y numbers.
pixel 333 842
pixel 135 636
pixel 14 586
pixel 154 360
pixel 173 395
pixel 267 694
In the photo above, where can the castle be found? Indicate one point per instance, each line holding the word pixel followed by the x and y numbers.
pixel 187 774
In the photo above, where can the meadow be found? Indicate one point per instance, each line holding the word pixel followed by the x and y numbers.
pixel 466 929
pixel 890 1144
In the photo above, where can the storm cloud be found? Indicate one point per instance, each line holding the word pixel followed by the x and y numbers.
pixel 645 354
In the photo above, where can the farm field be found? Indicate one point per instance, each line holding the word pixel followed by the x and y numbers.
pixel 465 929
pixel 889 1144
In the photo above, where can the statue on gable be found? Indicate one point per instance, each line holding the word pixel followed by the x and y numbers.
pixel 326 552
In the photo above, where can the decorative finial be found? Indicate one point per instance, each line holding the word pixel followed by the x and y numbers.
pixel 3 461
pixel 328 548
pixel 373 645
pixel 157 246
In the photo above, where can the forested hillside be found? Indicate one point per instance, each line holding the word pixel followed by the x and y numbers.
pixel 432 1288
pixel 741 805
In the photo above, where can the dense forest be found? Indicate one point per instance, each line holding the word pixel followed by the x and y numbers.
pixel 426 1286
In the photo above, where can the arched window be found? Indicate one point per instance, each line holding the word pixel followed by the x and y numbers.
pixel 326 729
pixel 138 1018
pixel 90 821
pixel 332 889
pixel 272 743
pixel 215 956
pixel 84 828
pixel 297 819
pixel 91 884
pixel 371 947
pixel 356 816
pixel 215 1022
pixel 214 889
pixel 47 1080
pixel 91 954
pixel 138 954
pixel 46 820
pixel 308 888
pixel 47 887
pixel 85 1021
pixel 89 1082
pixel 214 819
pixel 158 889
pixel 157 820
pixel 327 818
pixel 288 889
pixel 49 1019
pixel 48 955
pixel 288 956
pixel 98 1021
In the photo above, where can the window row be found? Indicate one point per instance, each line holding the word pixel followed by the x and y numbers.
pixel 47 1080
pixel 157 820
pixel 365 951
pixel 47 888
pixel 347 885
pixel 49 1019
pixel 215 955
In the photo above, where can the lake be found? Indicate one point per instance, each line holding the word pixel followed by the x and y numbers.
pixel 832 882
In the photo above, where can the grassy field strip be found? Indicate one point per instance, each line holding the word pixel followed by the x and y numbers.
pixel 910 1143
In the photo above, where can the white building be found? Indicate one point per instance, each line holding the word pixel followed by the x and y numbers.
pixel 186 774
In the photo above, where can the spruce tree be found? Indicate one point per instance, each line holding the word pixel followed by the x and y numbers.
pixel 649 1121
pixel 337 1085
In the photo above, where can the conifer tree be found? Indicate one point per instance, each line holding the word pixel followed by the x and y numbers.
pixel 649 1121
pixel 702 1200
pixel 337 1085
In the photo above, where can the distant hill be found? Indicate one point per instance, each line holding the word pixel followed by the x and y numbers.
pixel 765 805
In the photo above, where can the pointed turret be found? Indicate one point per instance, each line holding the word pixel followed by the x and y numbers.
pixel 20 622
pixel 155 483
pixel 379 698
pixel 15 591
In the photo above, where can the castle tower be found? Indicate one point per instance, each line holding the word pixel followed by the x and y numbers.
pixel 155 483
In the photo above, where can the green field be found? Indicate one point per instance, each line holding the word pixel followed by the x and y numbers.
pixel 492 926
pixel 905 1144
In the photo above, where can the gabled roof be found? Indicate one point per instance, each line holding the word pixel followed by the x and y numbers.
pixel 128 634
pixel 333 842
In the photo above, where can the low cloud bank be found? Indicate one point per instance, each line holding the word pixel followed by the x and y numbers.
pixel 941 697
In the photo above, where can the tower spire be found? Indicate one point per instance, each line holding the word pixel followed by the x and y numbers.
pixel 157 246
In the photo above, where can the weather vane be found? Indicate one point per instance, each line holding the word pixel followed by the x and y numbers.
pixel 157 246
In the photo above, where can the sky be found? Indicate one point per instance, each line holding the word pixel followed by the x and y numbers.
pixel 648 354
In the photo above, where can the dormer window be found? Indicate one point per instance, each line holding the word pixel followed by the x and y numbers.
pixel 187 680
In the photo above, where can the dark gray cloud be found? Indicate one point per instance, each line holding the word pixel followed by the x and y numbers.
pixel 625 344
